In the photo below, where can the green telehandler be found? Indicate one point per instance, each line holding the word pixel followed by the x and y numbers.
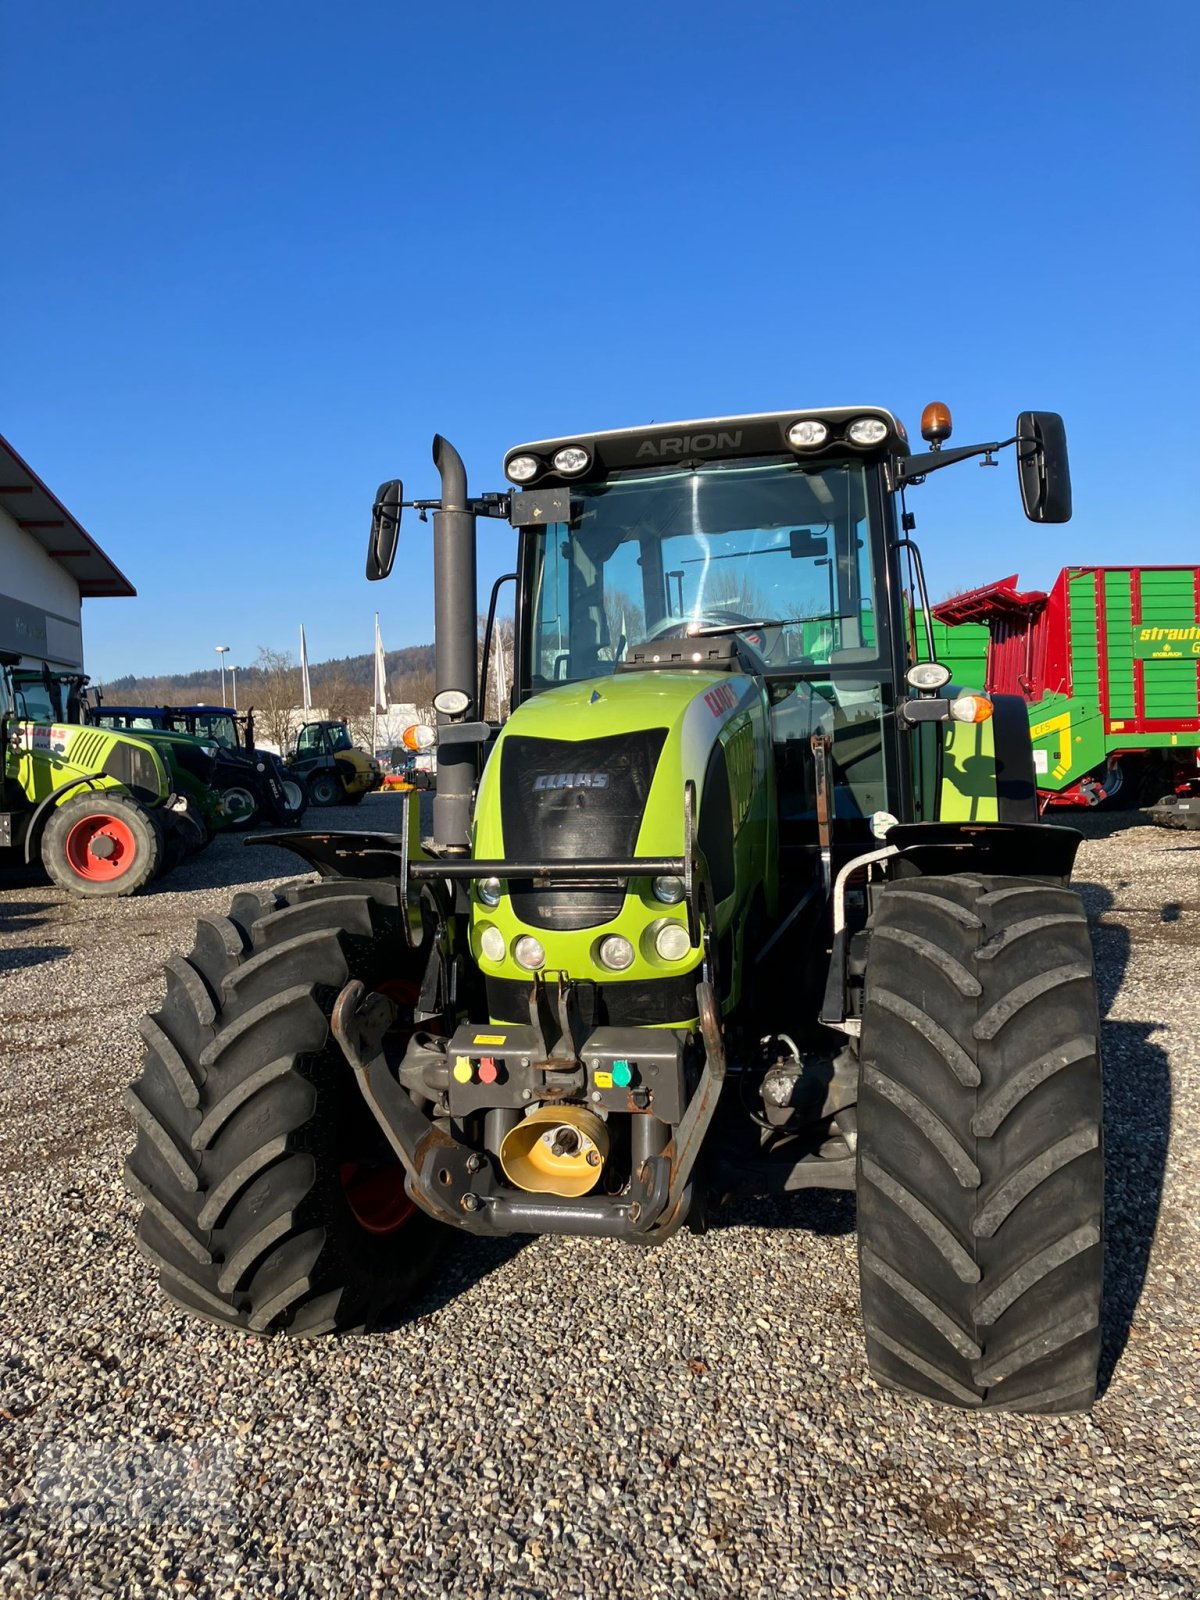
pixel 742 896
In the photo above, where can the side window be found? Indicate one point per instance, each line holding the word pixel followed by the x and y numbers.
pixel 851 712
pixel 34 704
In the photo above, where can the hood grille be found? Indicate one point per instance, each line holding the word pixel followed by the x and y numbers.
pixel 567 799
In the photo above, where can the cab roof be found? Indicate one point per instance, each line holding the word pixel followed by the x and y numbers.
pixel 711 438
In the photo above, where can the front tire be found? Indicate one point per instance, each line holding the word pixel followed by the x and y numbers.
pixel 295 798
pixel 980 1168
pixel 103 845
pixel 241 808
pixel 271 1201
pixel 325 789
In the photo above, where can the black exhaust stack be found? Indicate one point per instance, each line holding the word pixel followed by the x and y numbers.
pixel 454 642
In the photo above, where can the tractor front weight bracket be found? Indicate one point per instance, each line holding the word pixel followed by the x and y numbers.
pixel 461 1186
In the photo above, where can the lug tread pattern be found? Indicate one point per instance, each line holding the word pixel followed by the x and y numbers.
pixel 965 982
pixel 312 915
pixel 955 1254
pixel 931 1125
pixel 938 1375
pixel 215 1119
pixel 1005 1198
pixel 980 1145
pixel 172 1062
pixel 310 958
pixel 951 1052
pixel 1025 1080
pixel 946 1326
pixel 1002 1013
pixel 1021 930
pixel 242 1112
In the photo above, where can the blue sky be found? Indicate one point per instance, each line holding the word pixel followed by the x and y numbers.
pixel 256 254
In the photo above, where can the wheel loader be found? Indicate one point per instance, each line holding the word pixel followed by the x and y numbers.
pixel 742 897
pixel 331 767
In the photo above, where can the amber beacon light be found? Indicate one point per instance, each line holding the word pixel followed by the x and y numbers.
pixel 936 425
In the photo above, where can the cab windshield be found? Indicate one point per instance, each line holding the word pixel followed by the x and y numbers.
pixel 774 550
pixel 222 730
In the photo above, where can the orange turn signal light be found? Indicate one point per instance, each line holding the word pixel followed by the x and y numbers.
pixel 420 736
pixel 936 424
pixel 971 708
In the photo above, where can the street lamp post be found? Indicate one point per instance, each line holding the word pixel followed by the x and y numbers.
pixel 233 677
pixel 222 650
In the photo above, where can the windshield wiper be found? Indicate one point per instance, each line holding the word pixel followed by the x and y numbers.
pixel 709 630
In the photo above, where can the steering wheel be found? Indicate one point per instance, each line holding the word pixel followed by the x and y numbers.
pixel 717 618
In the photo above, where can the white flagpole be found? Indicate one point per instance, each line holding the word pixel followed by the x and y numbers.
pixel 305 690
pixel 380 700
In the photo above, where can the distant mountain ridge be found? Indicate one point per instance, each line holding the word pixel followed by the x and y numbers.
pixel 204 687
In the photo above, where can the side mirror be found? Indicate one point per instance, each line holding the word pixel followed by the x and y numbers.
pixel 805 543
pixel 1042 467
pixel 385 529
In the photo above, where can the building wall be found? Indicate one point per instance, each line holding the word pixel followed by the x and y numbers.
pixel 41 614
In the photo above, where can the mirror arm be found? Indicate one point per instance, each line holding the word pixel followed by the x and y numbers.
pixel 914 469
pixel 507 577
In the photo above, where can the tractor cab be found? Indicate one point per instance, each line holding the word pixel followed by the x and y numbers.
pixel 223 727
pixel 774 567
pixel 42 696
pixel 323 739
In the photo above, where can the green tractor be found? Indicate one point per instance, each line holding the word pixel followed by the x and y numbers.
pixel 740 898
pixel 105 813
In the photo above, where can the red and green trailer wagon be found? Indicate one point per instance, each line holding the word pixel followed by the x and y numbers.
pixel 1109 662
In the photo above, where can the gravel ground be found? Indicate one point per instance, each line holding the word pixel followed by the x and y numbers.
pixel 570 1418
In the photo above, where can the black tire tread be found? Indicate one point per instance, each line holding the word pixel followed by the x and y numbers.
pixel 980 1145
pixel 237 1111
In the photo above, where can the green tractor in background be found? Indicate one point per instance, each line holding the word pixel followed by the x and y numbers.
pixel 104 812
pixel 741 897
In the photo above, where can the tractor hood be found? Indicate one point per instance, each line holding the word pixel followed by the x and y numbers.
pixel 598 769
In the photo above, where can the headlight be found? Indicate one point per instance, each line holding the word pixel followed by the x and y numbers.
pixel 672 941
pixel 616 952
pixel 669 890
pixel 927 675
pixel 488 890
pixel 452 702
pixel 212 751
pixel 571 461
pixel 419 737
pixel 867 430
pixel 491 942
pixel 522 468
pixel 528 953
pixel 807 434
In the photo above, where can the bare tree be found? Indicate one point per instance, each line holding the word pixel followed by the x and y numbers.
pixel 418 689
pixel 276 693
pixel 348 702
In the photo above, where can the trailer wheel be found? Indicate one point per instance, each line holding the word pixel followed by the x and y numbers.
pixel 325 789
pixel 241 807
pixel 102 845
pixel 980 1168
pixel 271 1201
